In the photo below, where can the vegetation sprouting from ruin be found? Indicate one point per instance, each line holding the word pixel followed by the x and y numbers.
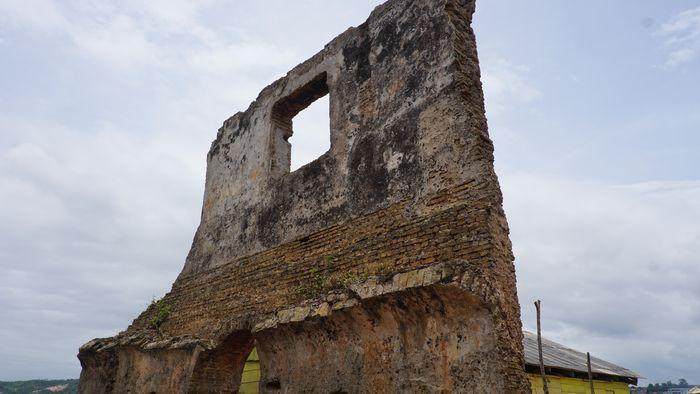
pixel 161 312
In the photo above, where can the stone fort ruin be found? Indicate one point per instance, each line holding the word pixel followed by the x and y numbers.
pixel 383 266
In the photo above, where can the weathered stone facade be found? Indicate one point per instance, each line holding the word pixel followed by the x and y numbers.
pixel 382 266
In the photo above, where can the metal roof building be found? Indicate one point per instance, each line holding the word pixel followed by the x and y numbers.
pixel 563 362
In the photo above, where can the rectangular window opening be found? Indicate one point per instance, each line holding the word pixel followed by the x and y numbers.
pixel 303 119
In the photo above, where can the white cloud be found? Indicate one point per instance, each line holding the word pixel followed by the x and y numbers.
pixel 680 56
pixel 94 225
pixel 616 268
pixel 134 36
pixel 506 83
pixel 682 38
pixel 37 15
pixel 119 42
pixel 312 136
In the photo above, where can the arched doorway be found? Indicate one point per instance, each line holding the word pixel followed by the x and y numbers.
pixel 220 370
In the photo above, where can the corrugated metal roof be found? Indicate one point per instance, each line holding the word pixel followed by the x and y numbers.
pixel 559 356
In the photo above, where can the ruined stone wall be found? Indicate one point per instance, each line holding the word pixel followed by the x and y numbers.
pixel 382 266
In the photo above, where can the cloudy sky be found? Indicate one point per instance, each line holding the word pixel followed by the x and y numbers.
pixel 107 110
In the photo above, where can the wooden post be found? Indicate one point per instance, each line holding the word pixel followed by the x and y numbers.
pixel 590 374
pixel 539 348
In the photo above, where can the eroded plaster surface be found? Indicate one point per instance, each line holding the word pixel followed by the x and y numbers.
pixel 382 266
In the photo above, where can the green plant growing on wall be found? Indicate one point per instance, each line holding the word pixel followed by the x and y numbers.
pixel 330 262
pixel 161 313
pixel 319 278
pixel 353 277
pixel 322 277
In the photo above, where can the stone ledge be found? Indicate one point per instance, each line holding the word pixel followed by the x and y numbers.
pixel 374 286
pixel 144 341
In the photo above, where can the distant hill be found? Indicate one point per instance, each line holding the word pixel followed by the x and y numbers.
pixel 64 386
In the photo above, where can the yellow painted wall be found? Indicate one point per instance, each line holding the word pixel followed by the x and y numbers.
pixel 558 385
pixel 250 380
